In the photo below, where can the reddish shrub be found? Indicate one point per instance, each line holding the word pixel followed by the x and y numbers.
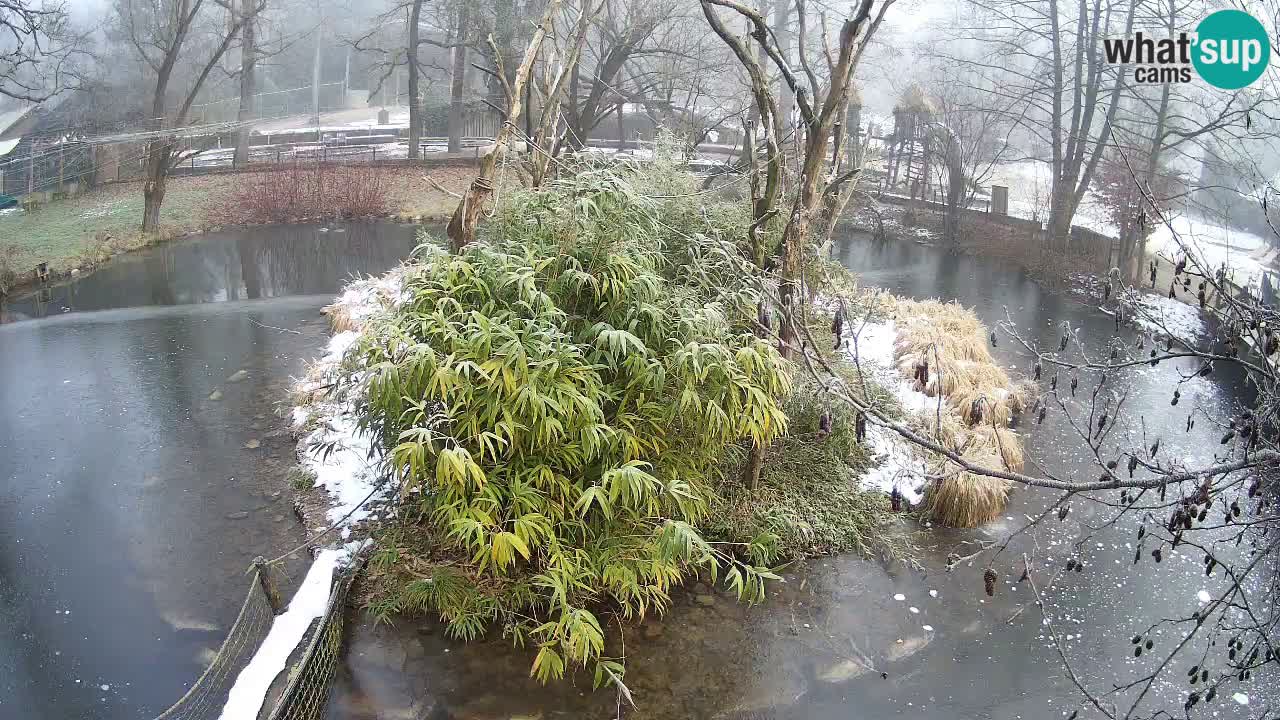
pixel 304 192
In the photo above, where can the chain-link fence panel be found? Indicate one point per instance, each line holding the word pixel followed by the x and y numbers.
pixel 209 693
pixel 307 688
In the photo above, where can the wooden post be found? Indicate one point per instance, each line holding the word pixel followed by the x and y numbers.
pixel 268 586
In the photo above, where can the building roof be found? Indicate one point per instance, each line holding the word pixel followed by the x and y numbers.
pixel 12 116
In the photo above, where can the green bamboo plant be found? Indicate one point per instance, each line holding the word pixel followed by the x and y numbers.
pixel 557 403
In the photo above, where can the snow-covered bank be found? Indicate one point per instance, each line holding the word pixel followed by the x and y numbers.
pixel 1212 246
pixel 288 629
pixel 287 632
pixel 900 466
pixel 343 460
pixel 341 457
pixel 1161 315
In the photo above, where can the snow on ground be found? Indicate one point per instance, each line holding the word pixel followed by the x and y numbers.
pixel 344 462
pixel 337 121
pixel 1211 245
pixel 287 632
pixel 1160 315
pixel 337 451
pixel 1029 183
pixel 899 466
pixel 103 209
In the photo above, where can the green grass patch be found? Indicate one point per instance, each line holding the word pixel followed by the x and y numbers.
pixel 85 230
pixel 301 478
pixel 810 497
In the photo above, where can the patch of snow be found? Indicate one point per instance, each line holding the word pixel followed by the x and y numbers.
pixel 1203 596
pixel 1211 246
pixel 1159 314
pixel 1241 698
pixel 101 210
pixel 287 631
pixel 927 628
pixel 933 593
pixel 899 466
pixel 914 610
pixel 339 345
pixel 362 298
pixel 1030 183
pixel 338 455
pixel 337 451
pixel 899 597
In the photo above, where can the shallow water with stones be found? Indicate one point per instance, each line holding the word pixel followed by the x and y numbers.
pixel 848 636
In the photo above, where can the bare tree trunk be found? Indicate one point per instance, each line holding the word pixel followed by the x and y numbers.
pixel 809 193
pixel 457 80
pixel 415 103
pixel 547 137
pixel 153 188
pixel 315 78
pixel 622 128
pixel 796 234
pixel 1134 240
pixel 504 31
pixel 160 150
pixel 462 226
pixel 248 84
pixel 782 33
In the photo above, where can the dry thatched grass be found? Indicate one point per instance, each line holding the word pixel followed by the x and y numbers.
pixel 362 298
pixel 342 317
pixel 961 499
pixel 1004 445
pixel 981 399
pixel 953 343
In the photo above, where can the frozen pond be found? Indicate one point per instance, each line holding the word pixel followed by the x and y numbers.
pixel 141 461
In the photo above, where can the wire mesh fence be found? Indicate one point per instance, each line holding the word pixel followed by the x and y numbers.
pixel 307 686
pixel 276 104
pixel 209 693
pixel 308 690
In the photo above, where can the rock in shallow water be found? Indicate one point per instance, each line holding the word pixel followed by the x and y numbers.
pixel 842 671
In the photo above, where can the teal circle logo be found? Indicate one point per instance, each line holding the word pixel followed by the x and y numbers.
pixel 1231 49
